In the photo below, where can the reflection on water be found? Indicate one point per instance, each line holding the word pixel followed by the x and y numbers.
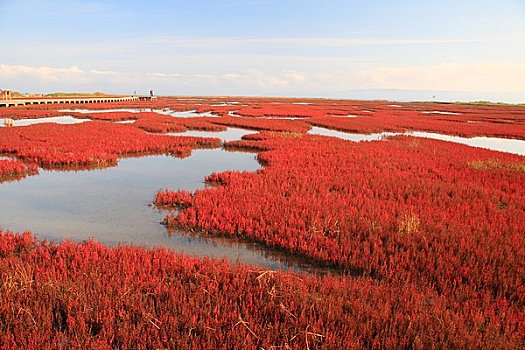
pixel 492 143
pixel 231 134
pixel 85 110
pixel 234 114
pixel 57 120
pixel 348 136
pixel 112 205
pixel 165 111
pixel 441 112
pixel 279 117
pixel 343 116
pixel 224 104
pixel 185 114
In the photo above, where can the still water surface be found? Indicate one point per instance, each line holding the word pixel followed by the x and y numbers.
pixel 492 143
pixel 230 134
pixel 113 205
pixel 56 120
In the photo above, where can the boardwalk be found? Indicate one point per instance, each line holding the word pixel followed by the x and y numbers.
pixel 12 102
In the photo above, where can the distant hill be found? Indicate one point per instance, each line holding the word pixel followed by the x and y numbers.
pixel 18 94
pixel 75 94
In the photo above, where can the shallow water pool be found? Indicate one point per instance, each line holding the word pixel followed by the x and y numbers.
pixel 56 120
pixel 492 143
pixel 230 134
pixel 113 205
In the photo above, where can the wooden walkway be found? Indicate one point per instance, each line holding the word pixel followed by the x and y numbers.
pixel 13 102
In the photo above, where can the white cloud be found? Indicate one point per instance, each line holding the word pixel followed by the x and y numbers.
pixel 46 74
pixel 330 80
pixel 24 77
pixel 295 75
pixel 493 77
pixel 102 72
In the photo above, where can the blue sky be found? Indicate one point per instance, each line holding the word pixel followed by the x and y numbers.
pixel 391 49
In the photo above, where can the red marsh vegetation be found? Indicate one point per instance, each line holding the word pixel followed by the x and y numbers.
pixel 425 238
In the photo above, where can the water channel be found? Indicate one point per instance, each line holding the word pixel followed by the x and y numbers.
pixel 492 143
pixel 113 205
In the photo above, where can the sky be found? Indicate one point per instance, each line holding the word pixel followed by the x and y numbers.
pixel 399 50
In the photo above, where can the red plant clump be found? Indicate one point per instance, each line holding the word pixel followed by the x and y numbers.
pixel 442 216
pixel 29 113
pixel 71 295
pixel 106 116
pixel 178 199
pixel 148 121
pixel 280 110
pixel 159 124
pixel 180 152
pixel 14 169
pixel 92 144
pixel 285 108
pixel 154 122
pixel 262 124
pixel 199 123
